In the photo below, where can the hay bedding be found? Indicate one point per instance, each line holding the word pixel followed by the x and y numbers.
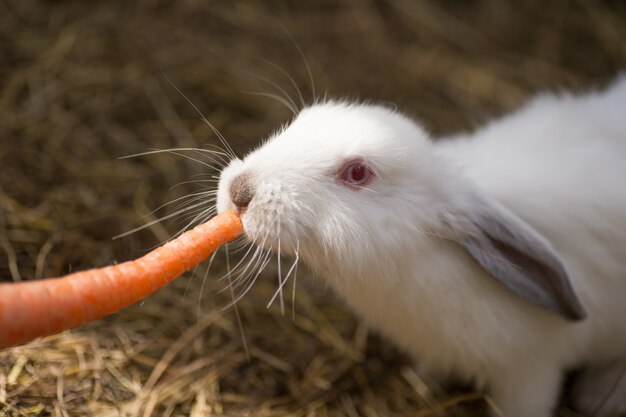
pixel 82 83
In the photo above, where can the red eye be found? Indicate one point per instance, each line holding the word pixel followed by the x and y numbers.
pixel 356 174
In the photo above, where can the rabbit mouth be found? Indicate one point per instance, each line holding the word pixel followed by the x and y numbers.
pixel 269 210
pixel 269 230
pixel 266 240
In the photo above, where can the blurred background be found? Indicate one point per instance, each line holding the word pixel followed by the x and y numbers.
pixel 84 83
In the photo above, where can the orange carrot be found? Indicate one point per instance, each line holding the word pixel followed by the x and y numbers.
pixel 40 308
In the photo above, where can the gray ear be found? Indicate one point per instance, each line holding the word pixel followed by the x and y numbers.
pixel 519 258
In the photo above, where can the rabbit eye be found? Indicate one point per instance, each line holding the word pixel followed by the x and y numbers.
pixel 356 174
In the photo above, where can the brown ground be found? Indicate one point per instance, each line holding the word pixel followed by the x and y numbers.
pixel 81 83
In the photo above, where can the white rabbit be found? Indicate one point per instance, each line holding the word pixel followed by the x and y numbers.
pixel 497 256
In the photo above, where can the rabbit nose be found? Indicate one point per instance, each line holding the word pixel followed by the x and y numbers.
pixel 241 192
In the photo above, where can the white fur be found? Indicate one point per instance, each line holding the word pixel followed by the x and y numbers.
pixel 559 164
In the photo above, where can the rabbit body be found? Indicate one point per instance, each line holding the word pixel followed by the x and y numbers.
pixel 560 164
pixel 415 252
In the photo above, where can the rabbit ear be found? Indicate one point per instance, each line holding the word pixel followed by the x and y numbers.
pixel 518 257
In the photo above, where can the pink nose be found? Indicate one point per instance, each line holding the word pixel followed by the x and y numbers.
pixel 241 192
